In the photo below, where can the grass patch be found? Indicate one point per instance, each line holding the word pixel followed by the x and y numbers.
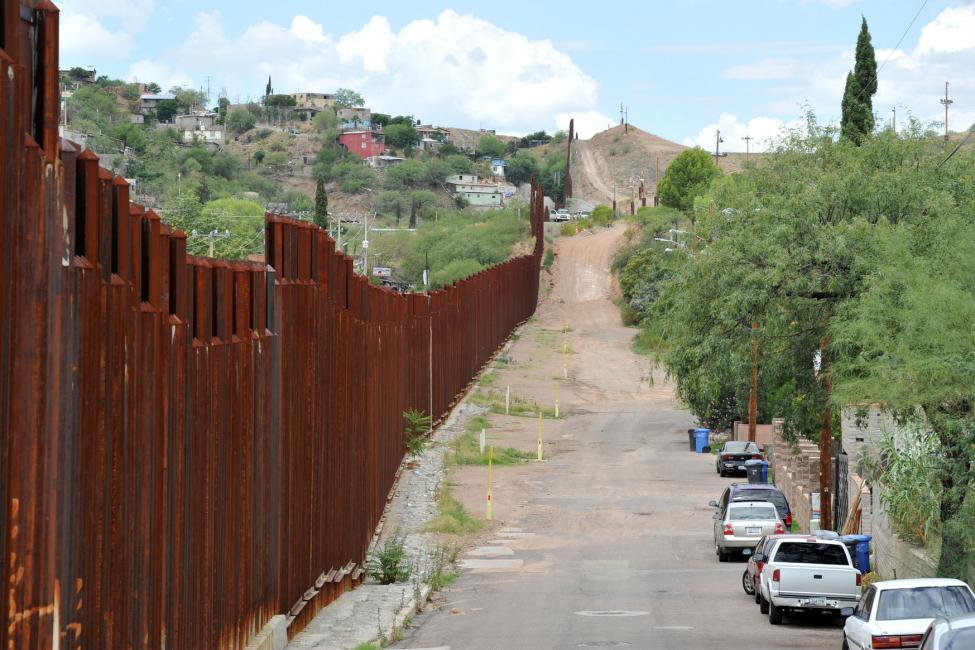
pixel 547 337
pixel 466 450
pixel 488 379
pixel 444 572
pixel 519 406
pixel 368 646
pixel 453 518
pixel 549 259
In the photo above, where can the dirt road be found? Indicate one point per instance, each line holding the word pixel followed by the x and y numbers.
pixel 609 542
pixel 584 154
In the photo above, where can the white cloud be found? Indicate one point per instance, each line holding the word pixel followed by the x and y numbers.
pixel 587 123
pixel 762 70
pixel 952 31
pixel 761 129
pixel 91 29
pixel 455 70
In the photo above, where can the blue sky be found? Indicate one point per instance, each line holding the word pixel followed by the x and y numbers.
pixel 682 68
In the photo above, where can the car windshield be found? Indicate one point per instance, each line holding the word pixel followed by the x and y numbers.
pixel 741 513
pixel 924 602
pixel 811 553
pixel 772 496
pixel 962 639
pixel 740 447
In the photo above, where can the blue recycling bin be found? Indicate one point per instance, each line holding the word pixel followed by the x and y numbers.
pixel 862 551
pixel 764 471
pixel 701 439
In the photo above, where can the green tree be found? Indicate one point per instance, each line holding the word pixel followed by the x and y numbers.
pixel 166 110
pixel 404 175
pixel 348 98
pixel 280 101
pixel 203 193
pixel 187 98
pixel 490 145
pixel 401 136
pixel 132 135
pixel 259 156
pixel 223 105
pixel 393 203
pixel 321 204
pixel 240 121
pixel 687 176
pixel 521 168
pixel 861 85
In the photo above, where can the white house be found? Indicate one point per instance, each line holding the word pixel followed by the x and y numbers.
pixel 497 167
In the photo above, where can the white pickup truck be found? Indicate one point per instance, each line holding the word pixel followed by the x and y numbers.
pixel 808 573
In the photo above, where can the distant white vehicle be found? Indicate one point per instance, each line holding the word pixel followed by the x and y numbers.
pixel 561 215
pixel 582 215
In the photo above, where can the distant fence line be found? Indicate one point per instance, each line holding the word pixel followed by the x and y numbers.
pixel 189 446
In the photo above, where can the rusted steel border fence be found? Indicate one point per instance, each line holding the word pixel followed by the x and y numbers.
pixel 190 446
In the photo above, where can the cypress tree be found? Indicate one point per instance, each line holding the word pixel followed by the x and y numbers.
pixel 268 90
pixel 321 204
pixel 861 85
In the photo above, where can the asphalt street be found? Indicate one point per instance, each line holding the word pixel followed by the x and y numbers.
pixel 615 546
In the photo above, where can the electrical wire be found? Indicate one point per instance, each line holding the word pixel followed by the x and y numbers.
pixel 960 145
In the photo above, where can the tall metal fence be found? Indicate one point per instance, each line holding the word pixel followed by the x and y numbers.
pixel 190 446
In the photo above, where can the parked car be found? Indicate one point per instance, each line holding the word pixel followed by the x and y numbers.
pixel 896 613
pixel 582 215
pixel 950 633
pixel 733 455
pixel 739 527
pixel 756 492
pixel 811 574
pixel 561 215
pixel 749 579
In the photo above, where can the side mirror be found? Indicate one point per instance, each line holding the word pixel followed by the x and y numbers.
pixel 716 515
pixel 846 611
pixel 713 503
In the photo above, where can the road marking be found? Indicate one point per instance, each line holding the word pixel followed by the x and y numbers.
pixel 489 565
pixel 611 613
pixel 491 551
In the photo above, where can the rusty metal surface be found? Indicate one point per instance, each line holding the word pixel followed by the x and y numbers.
pixel 190 446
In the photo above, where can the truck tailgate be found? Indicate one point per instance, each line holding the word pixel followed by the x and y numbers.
pixel 817 580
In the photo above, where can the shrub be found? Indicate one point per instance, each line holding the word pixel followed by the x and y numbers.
pixel 389 564
pixel 417 426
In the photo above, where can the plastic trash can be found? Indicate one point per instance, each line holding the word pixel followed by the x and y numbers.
pixel 690 439
pixel 862 551
pixel 764 470
pixel 753 468
pixel 701 439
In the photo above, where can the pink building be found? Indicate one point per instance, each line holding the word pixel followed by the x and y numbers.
pixel 363 143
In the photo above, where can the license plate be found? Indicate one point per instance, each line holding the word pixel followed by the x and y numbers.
pixel 746 552
pixel 741 467
pixel 753 531
pixel 819 602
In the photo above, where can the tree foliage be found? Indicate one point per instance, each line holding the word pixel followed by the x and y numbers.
pixel 401 136
pixel 348 98
pixel 240 121
pixel 491 146
pixel 321 204
pixel 687 176
pixel 861 85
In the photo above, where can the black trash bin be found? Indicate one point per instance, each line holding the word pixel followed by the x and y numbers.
pixel 690 439
pixel 754 470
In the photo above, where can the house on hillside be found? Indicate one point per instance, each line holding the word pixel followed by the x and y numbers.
pixel 364 143
pixel 476 192
pixel 430 145
pixel 200 126
pixel 355 114
pixel 313 102
pixel 382 162
pixel 497 167
pixel 149 102
pixel 433 132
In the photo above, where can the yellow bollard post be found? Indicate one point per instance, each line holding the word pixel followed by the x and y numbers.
pixel 539 436
pixel 507 398
pixel 490 513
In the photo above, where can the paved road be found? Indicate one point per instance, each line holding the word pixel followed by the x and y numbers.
pixel 615 547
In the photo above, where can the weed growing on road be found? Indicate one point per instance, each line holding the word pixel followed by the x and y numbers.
pixel 453 518
pixel 442 572
pixel 519 406
pixel 415 434
pixel 388 564
pixel 466 449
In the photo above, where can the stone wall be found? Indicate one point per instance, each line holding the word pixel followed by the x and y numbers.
pixel 796 473
pixel 892 556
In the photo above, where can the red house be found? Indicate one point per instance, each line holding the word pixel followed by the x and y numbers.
pixel 364 143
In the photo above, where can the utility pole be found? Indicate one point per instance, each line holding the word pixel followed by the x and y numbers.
pixel 947 102
pixel 747 140
pixel 717 147
pixel 826 445
pixel 626 120
pixel 753 390
pixel 622 116
pixel 656 183
pixel 893 120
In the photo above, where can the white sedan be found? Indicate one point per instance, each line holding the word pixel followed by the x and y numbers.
pixel 895 613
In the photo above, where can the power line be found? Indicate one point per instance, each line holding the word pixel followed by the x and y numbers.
pixel 960 145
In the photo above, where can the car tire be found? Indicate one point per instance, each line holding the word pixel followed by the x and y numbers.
pixel 762 604
pixel 747 584
pixel 722 473
pixel 758 595
pixel 774 614
pixel 722 556
pixel 846 646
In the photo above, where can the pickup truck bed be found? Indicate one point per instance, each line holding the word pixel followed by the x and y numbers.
pixel 809 574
